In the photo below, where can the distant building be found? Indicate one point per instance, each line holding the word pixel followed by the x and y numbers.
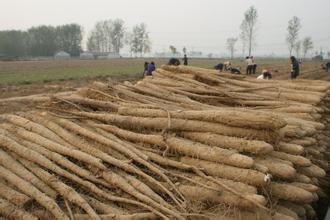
pixel 190 54
pixel 113 55
pixel 87 56
pixel 62 55
pixel 196 54
pixel 317 57
pixel 105 55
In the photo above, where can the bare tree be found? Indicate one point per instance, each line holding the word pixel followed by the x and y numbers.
pixel 117 35
pixel 173 50
pixel 231 46
pixel 107 36
pixel 99 39
pixel 248 27
pixel 321 51
pixel 138 40
pixel 297 48
pixel 243 36
pixel 184 50
pixel 293 32
pixel 307 45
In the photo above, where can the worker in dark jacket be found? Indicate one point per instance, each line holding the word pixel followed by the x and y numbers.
pixel 174 62
pixel 294 67
pixel 219 67
pixel 145 68
pixel 254 65
pixel 326 66
pixel 185 60
pixel 234 70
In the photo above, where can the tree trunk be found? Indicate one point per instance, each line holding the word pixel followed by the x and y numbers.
pixel 250 43
pixel 243 51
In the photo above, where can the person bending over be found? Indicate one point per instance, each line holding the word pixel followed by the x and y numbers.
pixel 265 75
pixel 234 70
pixel 227 65
pixel 219 67
pixel 174 62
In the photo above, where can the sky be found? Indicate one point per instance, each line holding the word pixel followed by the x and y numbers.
pixel 199 25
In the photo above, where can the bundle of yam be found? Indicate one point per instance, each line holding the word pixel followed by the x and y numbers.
pixel 186 143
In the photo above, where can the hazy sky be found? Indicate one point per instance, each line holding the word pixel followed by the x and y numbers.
pixel 202 25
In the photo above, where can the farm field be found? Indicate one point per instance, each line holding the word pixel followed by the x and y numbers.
pixel 32 77
pixel 23 78
pixel 27 72
pixel 109 115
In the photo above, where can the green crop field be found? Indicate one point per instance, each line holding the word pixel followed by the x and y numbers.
pixel 27 72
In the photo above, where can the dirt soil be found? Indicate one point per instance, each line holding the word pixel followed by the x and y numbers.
pixel 49 88
pixel 57 86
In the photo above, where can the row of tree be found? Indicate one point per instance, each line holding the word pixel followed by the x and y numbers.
pixel 111 36
pixel 41 41
pixel 106 36
pixel 248 29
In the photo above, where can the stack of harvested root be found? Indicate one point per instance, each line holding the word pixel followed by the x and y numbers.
pixel 187 143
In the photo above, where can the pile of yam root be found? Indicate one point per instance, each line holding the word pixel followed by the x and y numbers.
pixel 186 143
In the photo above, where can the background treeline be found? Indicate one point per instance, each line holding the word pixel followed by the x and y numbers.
pixel 106 36
pixel 41 41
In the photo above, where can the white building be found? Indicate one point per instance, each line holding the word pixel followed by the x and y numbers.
pixel 87 56
pixel 113 55
pixel 62 55
pixel 105 55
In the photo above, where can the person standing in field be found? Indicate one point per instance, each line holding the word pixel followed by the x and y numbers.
pixel 249 66
pixel 254 65
pixel 185 60
pixel 294 67
pixel 151 67
pixel 145 68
